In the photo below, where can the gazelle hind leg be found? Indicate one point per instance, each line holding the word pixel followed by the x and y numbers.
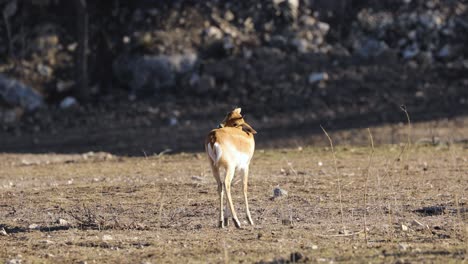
pixel 227 187
pixel 220 194
pixel 227 215
pixel 245 183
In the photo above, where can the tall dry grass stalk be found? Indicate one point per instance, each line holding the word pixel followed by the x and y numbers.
pixel 225 253
pixel 335 165
pixel 463 226
pixel 389 168
pixel 161 207
pixel 367 173
pixel 408 136
pixel 407 146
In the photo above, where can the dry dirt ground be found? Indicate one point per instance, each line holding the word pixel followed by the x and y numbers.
pixel 100 208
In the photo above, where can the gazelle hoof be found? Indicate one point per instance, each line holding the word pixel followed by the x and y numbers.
pixel 236 223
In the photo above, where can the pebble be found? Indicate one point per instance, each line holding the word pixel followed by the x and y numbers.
pixel 278 192
pixel 34 226
pixel 68 102
pixel 107 238
pixel 317 77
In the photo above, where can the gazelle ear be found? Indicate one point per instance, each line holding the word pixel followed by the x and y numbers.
pixel 237 110
pixel 247 128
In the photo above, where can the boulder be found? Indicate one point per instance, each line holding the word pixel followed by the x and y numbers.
pixel 149 73
pixel 16 93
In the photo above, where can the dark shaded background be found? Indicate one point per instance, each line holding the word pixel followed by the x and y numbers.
pixel 163 73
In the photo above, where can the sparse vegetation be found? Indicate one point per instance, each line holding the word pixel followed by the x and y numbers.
pixel 153 209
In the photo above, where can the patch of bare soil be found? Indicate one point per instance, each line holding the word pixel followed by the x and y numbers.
pixel 163 208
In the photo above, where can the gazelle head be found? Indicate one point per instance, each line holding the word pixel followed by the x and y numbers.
pixel 235 119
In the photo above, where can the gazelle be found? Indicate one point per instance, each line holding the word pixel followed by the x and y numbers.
pixel 231 147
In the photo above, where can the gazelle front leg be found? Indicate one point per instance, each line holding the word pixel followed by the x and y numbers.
pixel 227 186
pixel 245 181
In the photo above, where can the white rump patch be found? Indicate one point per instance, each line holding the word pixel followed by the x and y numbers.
pixel 215 152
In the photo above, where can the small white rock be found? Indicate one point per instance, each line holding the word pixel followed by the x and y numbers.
pixel 317 77
pixel 404 228
pixel 14 261
pixel 63 86
pixel 403 246
pixel 197 178
pixel 214 32
pixel 63 222
pixel 72 47
pixel 107 237
pixel 173 121
pixel 44 70
pixel 47 242
pixel 323 27
pixel 34 226
pixel 68 102
pixel 445 51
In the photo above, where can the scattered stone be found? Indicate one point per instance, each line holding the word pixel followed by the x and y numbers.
pixel 317 77
pixel 404 228
pixel 3 232
pixel 419 94
pixel 14 261
pixel 63 222
pixel 278 192
pixel 288 9
pixel 403 246
pixel 107 238
pixel 47 242
pixel 301 45
pixel 411 51
pixel 369 47
pixel 229 16
pixel 344 232
pixel 151 74
pixel 296 257
pixel 68 102
pixel 16 93
pixel 9 116
pixel 197 178
pixel 445 52
pixel 34 226
pixel 63 86
pixel 314 247
pixel 323 27
pixel 173 121
pixel 279 41
pixel 44 70
pixel 213 33
pixel 72 46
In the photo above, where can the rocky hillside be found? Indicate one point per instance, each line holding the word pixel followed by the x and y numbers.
pixel 323 60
